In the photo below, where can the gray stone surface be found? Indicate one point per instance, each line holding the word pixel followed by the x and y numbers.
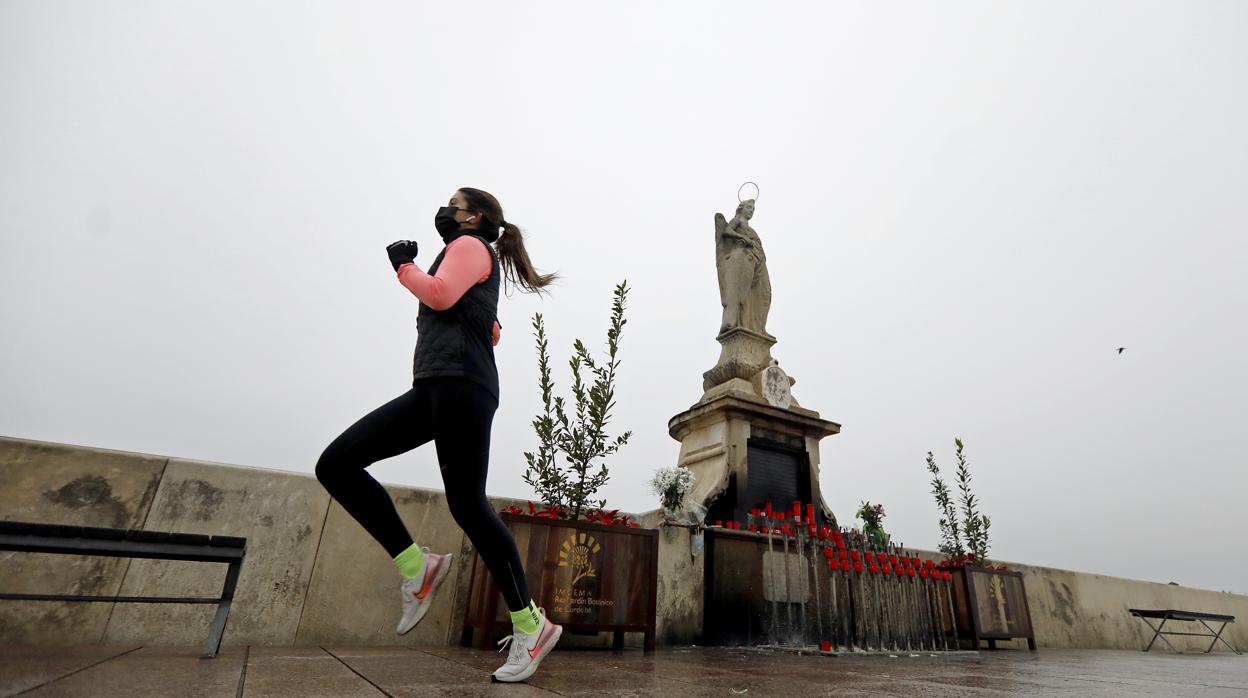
pixel 159 672
pixel 354 594
pixel 23 667
pixel 279 513
pixel 351 597
pixel 453 671
pixel 681 587
pixel 66 484
pixel 302 672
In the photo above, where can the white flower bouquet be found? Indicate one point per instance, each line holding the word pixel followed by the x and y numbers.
pixel 672 485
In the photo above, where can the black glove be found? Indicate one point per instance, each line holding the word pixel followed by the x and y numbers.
pixel 401 252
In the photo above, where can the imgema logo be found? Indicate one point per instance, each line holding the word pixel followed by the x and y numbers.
pixel 576 553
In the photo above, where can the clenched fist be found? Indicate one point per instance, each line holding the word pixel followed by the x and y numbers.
pixel 401 252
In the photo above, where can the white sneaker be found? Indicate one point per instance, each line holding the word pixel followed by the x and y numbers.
pixel 417 593
pixel 527 651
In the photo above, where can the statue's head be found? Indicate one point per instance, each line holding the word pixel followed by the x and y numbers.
pixel 745 209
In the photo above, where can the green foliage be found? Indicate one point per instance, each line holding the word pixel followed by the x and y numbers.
pixel 950 530
pixel 581 437
pixel 974 525
pixel 872 516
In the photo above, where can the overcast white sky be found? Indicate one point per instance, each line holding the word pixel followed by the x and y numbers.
pixel 966 208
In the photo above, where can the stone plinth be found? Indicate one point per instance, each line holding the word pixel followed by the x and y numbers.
pixel 716 434
pixel 743 353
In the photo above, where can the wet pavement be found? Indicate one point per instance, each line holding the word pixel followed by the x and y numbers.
pixel 453 671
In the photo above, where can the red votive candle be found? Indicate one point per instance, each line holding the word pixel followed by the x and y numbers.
pixel 825 646
pixel 753 528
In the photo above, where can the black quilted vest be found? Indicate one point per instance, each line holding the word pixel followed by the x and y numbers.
pixel 459 341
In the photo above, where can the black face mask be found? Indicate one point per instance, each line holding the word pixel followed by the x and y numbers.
pixel 445 221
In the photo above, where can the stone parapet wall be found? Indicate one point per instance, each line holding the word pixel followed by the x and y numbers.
pixel 313 576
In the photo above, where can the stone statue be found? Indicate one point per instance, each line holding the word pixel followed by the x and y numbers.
pixel 744 287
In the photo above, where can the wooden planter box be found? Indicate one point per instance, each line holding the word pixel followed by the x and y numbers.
pixel 590 578
pixel 991 604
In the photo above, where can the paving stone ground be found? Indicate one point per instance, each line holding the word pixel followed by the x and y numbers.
pixel 453 671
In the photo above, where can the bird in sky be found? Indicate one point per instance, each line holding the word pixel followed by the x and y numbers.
pixel 1120 349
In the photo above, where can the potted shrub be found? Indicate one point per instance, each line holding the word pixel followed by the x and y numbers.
pixel 591 569
pixel 989 602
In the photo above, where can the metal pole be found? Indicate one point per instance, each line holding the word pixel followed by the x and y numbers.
pixel 799 545
pixel 775 610
pixel 816 551
pixel 788 595
pixel 953 614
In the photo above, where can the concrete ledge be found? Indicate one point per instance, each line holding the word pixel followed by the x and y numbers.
pixel 313 576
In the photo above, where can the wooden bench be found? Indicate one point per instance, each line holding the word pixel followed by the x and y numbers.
pixel 1166 614
pixel 120 542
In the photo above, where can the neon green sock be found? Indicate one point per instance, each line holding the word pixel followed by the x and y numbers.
pixel 411 562
pixel 527 619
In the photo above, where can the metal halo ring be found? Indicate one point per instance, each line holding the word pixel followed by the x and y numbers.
pixel 757 191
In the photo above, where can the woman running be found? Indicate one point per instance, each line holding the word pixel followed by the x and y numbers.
pixel 452 401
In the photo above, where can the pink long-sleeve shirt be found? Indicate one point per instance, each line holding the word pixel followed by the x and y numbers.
pixel 467 262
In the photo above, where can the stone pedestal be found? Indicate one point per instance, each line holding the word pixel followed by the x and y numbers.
pixel 734 420
pixel 743 353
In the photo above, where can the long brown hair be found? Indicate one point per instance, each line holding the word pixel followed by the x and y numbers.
pixel 514 259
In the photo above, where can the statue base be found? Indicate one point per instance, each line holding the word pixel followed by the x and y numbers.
pixel 743 354
pixel 745 451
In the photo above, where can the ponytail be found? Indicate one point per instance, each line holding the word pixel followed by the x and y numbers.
pixel 512 257
pixel 514 260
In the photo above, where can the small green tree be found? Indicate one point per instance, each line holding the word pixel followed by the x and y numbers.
pixel 950 531
pixel 974 524
pixel 582 438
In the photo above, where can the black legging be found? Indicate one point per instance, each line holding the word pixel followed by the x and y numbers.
pixel 456 414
